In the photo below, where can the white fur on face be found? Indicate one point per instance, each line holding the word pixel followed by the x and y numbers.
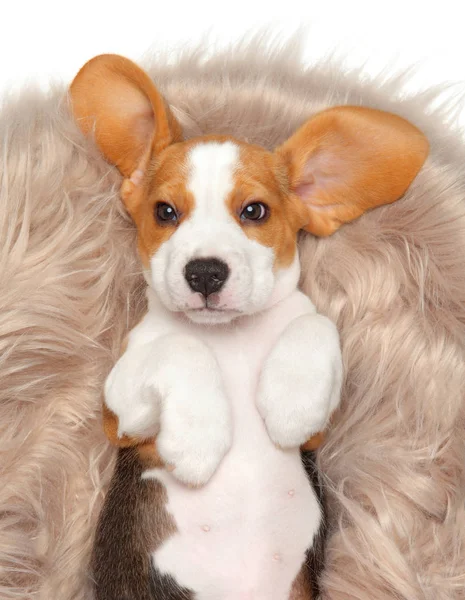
pixel 212 232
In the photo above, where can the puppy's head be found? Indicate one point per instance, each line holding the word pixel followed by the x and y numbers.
pixel 217 218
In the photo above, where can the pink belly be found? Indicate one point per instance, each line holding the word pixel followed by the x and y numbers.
pixel 245 534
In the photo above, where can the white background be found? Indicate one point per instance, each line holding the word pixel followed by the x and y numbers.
pixel 44 39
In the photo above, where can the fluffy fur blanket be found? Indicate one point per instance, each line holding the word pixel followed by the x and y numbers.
pixel 394 281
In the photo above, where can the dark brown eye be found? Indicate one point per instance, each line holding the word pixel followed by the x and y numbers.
pixel 165 213
pixel 255 211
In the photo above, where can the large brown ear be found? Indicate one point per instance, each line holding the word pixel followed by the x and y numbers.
pixel 116 101
pixel 349 159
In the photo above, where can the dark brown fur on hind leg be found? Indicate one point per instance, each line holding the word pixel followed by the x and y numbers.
pixel 315 556
pixel 132 515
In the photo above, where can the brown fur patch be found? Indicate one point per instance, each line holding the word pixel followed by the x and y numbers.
pixel 314 442
pixel 132 523
pixel 146 447
pixel 301 588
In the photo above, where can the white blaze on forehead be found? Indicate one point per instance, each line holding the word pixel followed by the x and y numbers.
pixel 211 168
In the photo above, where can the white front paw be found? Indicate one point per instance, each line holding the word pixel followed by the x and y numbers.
pixel 195 433
pixel 300 382
pixel 134 403
pixel 294 407
pixel 174 388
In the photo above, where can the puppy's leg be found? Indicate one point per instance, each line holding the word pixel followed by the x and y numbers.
pixel 133 521
pixel 173 388
pixel 308 581
pixel 120 565
pixel 300 383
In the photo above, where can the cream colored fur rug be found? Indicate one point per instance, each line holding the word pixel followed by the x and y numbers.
pixel 394 281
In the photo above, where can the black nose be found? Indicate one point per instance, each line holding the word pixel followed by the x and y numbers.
pixel 206 275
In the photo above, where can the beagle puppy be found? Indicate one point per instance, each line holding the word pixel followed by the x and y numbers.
pixel 232 370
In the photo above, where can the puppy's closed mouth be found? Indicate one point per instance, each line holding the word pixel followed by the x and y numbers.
pixel 208 309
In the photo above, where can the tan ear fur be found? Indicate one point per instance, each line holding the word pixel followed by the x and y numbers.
pixel 347 160
pixel 117 101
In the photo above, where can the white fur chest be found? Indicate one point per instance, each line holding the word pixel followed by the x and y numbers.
pixel 245 533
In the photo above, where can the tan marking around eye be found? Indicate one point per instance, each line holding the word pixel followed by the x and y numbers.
pixel 166 182
pixel 258 179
